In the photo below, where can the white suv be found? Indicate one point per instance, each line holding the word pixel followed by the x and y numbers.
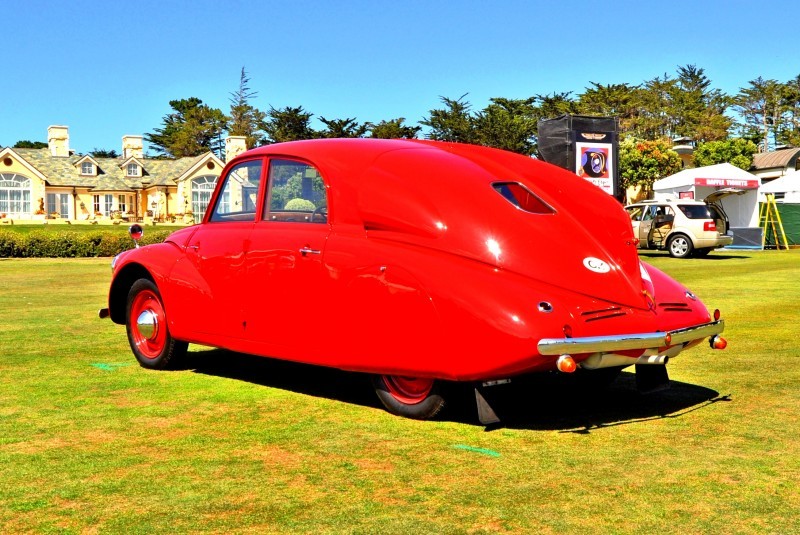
pixel 683 227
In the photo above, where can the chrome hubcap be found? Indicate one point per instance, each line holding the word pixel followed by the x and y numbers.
pixel 679 246
pixel 147 323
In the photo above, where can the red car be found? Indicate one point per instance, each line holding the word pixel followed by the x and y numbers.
pixel 415 261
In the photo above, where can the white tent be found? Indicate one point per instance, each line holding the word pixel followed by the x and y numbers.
pixel 699 182
pixel 788 184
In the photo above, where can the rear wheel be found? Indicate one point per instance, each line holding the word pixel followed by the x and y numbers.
pixel 679 246
pixel 412 397
pixel 148 333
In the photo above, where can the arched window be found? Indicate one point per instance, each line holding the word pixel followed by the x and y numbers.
pixel 15 195
pixel 202 188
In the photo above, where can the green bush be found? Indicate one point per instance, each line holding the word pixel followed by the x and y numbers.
pixel 70 244
pixel 11 244
pixel 300 205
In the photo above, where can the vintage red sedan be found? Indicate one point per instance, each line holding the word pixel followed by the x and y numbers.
pixel 414 261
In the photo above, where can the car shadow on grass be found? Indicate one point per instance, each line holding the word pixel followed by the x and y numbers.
pixel 539 402
pixel 559 403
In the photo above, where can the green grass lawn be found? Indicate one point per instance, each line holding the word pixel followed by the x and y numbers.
pixel 91 442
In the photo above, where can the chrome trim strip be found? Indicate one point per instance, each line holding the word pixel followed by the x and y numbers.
pixel 621 342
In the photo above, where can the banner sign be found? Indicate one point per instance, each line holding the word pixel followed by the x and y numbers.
pixel 727 183
pixel 594 162
pixel 585 145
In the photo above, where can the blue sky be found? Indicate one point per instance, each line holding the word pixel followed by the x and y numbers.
pixel 110 68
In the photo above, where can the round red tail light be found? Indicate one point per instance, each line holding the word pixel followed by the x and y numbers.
pixel 717 342
pixel 566 364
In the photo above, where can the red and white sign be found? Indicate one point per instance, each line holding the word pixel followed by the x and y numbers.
pixel 727 183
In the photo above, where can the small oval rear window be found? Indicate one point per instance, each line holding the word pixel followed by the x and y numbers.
pixel 522 197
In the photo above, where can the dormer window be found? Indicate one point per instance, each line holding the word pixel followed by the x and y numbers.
pixel 132 169
pixel 87 168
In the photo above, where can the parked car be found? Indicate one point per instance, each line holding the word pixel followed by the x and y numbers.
pixel 414 261
pixel 683 227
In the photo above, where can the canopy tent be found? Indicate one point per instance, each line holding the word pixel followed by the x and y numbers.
pixel 788 184
pixel 699 182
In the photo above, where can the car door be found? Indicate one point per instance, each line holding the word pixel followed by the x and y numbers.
pixel 714 201
pixel 209 283
pixel 635 213
pixel 284 267
pixel 646 224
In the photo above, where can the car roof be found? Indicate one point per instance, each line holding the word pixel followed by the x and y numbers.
pixel 444 196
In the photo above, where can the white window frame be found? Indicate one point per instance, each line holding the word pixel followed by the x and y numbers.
pixel 132 169
pixel 15 195
pixel 202 188
pixel 87 169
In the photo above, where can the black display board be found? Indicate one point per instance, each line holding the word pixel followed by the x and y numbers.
pixel 587 146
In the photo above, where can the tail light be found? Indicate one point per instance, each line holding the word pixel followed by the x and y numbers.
pixel 717 342
pixel 710 226
pixel 566 364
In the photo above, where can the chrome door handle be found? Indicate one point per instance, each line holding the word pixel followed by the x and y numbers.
pixel 195 247
pixel 306 251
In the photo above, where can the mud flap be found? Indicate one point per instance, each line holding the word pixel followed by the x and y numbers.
pixel 651 378
pixel 486 415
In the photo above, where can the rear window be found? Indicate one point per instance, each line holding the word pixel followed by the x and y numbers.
pixel 697 211
pixel 522 197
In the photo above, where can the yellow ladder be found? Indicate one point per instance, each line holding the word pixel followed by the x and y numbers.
pixel 770 218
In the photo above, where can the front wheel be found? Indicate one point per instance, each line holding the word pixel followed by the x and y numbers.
pixel 412 397
pixel 148 333
pixel 680 246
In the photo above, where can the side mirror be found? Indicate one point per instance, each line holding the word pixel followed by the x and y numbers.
pixel 136 233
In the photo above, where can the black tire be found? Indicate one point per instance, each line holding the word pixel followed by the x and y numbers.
pixel 148 333
pixel 410 397
pixel 680 246
pixel 700 253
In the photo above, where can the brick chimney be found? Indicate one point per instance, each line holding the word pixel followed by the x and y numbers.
pixel 58 140
pixel 234 145
pixel 132 146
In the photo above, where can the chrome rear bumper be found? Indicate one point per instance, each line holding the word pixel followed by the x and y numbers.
pixel 622 342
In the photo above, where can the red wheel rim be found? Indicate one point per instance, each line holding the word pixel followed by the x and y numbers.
pixel 153 345
pixel 409 390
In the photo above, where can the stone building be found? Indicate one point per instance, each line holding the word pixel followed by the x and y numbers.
pixel 54 182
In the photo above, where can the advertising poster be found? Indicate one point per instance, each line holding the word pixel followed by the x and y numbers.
pixel 593 162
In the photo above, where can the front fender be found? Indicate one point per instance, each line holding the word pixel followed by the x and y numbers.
pixel 153 262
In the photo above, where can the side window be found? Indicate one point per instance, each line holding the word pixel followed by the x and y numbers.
pixel 237 199
pixel 296 193
pixel 635 213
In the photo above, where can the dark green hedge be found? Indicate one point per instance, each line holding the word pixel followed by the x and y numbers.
pixel 70 244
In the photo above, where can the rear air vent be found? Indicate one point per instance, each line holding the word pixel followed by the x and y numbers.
pixel 603 314
pixel 674 307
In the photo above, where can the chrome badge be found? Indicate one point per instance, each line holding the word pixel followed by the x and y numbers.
pixel 595 264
